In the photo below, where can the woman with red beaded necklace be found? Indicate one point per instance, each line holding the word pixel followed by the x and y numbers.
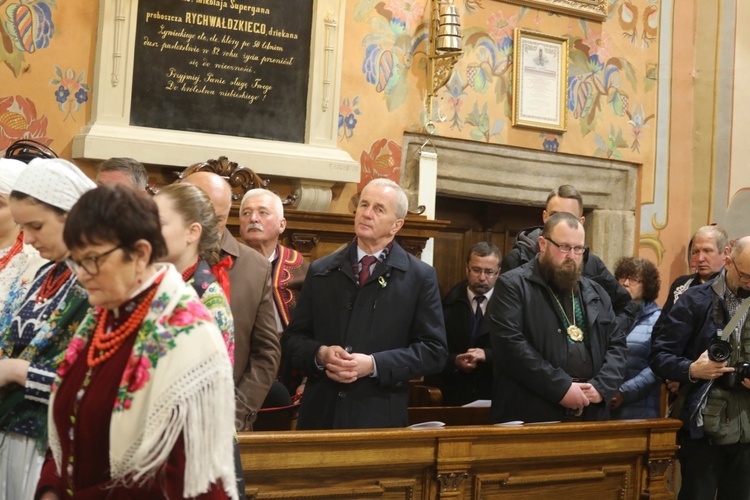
pixel 42 323
pixel 143 402
pixel 18 262
pixel 190 227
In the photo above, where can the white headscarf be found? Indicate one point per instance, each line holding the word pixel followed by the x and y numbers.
pixel 10 170
pixel 54 181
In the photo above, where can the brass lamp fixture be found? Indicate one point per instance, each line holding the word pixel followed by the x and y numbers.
pixel 444 50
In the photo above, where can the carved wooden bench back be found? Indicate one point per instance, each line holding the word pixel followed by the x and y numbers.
pixel 241 179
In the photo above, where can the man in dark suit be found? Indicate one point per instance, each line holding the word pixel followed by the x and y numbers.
pixel 368 320
pixel 467 375
pixel 256 344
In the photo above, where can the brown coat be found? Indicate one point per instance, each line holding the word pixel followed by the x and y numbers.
pixel 256 342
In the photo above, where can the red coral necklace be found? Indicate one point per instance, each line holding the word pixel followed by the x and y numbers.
pixel 104 345
pixel 188 273
pixel 14 250
pixel 51 285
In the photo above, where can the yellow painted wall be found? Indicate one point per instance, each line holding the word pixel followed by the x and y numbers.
pixel 613 69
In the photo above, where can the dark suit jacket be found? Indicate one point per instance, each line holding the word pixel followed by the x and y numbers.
pixel 531 347
pixel 396 317
pixel 256 342
pixel 459 387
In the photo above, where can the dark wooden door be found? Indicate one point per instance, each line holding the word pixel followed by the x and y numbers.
pixel 473 221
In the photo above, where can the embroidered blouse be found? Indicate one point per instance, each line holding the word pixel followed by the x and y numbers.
pixel 38 333
pixel 212 295
pixel 16 277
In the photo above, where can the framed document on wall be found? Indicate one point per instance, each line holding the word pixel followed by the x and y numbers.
pixel 540 80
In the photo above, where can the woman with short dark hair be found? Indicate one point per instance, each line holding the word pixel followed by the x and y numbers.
pixel 639 393
pixel 143 404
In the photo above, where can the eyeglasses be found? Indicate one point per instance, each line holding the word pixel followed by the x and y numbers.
pixel 631 279
pixel 89 264
pixel 567 248
pixel 744 278
pixel 487 272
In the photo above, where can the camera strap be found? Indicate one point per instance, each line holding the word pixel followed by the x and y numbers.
pixel 727 331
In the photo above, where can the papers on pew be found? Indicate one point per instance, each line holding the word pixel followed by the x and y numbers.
pixel 479 403
pixel 518 423
pixel 432 424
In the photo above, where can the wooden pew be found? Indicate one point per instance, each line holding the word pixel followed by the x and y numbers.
pixel 600 460
pixel 450 415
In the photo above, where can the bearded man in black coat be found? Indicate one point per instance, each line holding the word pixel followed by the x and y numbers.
pixel 559 352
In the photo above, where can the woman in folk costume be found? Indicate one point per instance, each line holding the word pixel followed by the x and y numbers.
pixel 43 322
pixel 18 262
pixel 189 226
pixel 143 402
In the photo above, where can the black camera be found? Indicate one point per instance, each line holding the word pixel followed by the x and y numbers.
pixel 718 349
pixel 734 379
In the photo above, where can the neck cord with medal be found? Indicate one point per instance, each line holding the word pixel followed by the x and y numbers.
pixel 574 332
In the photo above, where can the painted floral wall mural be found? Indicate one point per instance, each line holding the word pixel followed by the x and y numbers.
pixel 46 51
pixel 19 120
pixel 27 28
pixel 611 99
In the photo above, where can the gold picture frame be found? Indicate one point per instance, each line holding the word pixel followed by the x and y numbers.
pixel 540 80
pixel 591 9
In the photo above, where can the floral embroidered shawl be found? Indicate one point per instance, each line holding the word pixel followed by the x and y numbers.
pixel 178 381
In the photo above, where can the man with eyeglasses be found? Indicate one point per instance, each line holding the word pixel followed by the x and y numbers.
pixel 559 354
pixel 467 375
pixel 714 441
pixel 566 198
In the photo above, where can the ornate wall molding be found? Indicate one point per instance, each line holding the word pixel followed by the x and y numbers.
pixel 517 176
pixel 590 9
pixel 109 132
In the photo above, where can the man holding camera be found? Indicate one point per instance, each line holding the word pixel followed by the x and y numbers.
pixel 698 346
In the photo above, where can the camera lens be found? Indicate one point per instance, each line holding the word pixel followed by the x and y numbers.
pixel 719 350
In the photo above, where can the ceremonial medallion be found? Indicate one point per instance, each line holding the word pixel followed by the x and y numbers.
pixel 575 333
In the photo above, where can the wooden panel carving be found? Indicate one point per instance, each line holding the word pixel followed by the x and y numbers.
pixel 570 484
pixel 602 460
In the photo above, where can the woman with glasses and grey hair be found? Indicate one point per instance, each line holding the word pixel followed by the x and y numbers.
pixel 143 402
pixel 41 323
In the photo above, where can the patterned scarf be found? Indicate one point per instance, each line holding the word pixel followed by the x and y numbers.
pixel 178 381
